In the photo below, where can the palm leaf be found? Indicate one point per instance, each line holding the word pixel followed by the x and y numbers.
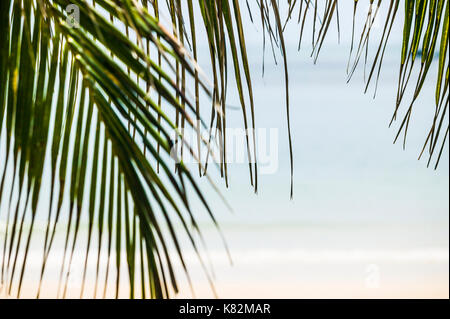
pixel 92 101
pixel 61 84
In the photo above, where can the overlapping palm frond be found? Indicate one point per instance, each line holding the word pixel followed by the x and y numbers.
pixel 84 117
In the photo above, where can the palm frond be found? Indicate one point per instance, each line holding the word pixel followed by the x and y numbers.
pixel 69 102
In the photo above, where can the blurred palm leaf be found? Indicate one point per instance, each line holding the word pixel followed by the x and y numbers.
pixel 73 91
pixel 92 103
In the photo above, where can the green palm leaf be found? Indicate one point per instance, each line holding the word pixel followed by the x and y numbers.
pixel 65 90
